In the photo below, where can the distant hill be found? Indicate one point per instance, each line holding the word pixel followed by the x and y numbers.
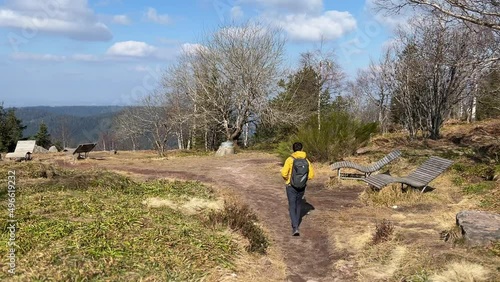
pixel 72 124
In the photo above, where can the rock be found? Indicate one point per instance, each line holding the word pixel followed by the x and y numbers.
pixel 226 148
pixel 479 228
pixel 40 149
pixel 53 149
pixel 363 150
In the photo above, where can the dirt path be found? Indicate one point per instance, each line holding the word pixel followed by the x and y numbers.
pixel 255 179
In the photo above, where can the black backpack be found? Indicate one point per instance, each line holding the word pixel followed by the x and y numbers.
pixel 300 173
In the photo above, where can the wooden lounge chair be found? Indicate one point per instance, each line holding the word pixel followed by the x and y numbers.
pixel 366 170
pixel 419 178
pixel 83 150
pixel 23 150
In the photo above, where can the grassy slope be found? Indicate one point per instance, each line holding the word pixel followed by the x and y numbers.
pixel 75 226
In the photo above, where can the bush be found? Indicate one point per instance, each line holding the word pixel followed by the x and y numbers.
pixel 383 232
pixel 340 135
pixel 243 220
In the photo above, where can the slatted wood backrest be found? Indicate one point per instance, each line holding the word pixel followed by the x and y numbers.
pixel 430 169
pixel 84 148
pixel 385 160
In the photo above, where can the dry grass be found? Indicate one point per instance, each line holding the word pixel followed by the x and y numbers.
pixel 415 251
pixel 90 225
pixel 462 272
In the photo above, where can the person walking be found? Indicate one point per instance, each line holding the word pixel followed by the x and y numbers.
pixel 296 171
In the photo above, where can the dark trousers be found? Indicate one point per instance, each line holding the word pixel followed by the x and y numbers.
pixel 294 204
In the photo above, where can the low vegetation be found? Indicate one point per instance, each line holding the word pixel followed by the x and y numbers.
pixel 243 220
pixel 88 225
pixel 405 235
pixel 339 137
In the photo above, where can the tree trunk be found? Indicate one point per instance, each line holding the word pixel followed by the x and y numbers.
pixel 245 142
pixel 435 126
pixel 133 143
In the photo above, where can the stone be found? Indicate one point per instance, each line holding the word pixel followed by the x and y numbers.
pixel 363 150
pixel 226 148
pixel 40 149
pixel 479 228
pixel 53 149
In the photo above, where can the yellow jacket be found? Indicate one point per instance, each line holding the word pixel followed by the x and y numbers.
pixel 286 171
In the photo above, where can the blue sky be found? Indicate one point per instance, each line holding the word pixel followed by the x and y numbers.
pixel 112 52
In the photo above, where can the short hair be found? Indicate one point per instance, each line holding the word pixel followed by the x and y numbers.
pixel 297 146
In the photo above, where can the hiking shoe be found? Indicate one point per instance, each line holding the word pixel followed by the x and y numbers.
pixel 296 232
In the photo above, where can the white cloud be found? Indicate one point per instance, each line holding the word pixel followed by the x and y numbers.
pixel 37 57
pixel 192 48
pixel 295 6
pixel 152 16
pixel 131 49
pixel 69 18
pixel 236 13
pixel 121 19
pixel 390 20
pixel 328 26
pixel 21 56
pixel 304 20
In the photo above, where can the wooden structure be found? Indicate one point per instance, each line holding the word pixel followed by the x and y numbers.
pixel 366 170
pixel 419 178
pixel 83 150
pixel 23 150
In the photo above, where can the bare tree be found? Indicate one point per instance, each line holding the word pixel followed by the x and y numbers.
pixel 377 84
pixel 234 71
pixel 330 73
pixel 62 130
pixel 128 125
pixel 437 62
pixel 155 119
pixel 148 119
pixel 484 13
pixel 182 85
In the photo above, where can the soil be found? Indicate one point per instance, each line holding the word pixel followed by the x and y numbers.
pixel 255 179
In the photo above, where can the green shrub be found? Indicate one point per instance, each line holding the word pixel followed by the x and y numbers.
pixel 485 171
pixel 284 150
pixel 340 135
pixel 479 187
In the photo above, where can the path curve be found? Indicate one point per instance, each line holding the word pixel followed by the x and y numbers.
pixel 256 180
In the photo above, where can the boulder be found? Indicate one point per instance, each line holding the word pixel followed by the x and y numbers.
pixel 479 228
pixel 363 150
pixel 226 148
pixel 40 149
pixel 53 149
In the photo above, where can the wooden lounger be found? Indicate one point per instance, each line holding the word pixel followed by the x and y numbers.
pixel 419 178
pixel 366 170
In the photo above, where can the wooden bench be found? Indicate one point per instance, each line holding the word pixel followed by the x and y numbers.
pixel 366 170
pixel 419 178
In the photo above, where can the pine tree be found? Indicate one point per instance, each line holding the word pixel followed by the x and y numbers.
pixel 11 129
pixel 43 137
